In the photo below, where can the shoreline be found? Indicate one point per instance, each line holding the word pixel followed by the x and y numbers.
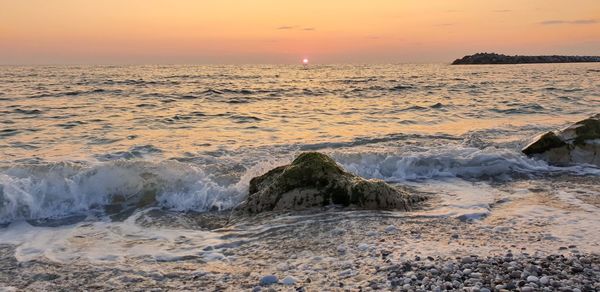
pixel 346 252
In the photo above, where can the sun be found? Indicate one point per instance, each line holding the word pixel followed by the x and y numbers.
pixel 305 61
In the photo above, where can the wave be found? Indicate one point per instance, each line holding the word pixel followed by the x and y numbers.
pixel 58 190
pixel 459 162
pixel 360 141
pixel 79 93
pixel 62 189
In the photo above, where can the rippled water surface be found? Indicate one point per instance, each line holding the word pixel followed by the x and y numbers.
pixel 73 138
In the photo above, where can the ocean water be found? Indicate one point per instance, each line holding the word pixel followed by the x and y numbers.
pixel 76 140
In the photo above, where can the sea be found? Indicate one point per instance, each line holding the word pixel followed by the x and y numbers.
pixel 82 147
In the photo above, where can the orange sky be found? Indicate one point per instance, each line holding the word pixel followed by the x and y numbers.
pixel 278 31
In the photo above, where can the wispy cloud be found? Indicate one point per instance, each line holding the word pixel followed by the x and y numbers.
pixel 295 27
pixel 576 21
pixel 502 10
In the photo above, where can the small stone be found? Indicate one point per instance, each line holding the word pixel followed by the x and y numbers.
pixel 544 280
pixel 466 260
pixel 484 290
pixel 372 233
pixel 338 231
pixel 256 289
pixel 515 274
pixel 532 279
pixel 390 229
pixel 346 273
pixel 577 269
pixel 341 249
pixel 289 281
pixel 268 280
pixel 363 247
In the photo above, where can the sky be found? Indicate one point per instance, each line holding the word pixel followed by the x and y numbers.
pixel 286 31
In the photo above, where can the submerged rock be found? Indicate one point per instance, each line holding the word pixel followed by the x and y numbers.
pixel 578 143
pixel 315 180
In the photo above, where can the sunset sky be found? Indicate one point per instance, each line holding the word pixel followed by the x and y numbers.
pixel 276 31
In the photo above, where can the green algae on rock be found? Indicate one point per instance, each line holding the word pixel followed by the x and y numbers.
pixel 316 180
pixel 578 143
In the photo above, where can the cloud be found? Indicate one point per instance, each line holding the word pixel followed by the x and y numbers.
pixel 502 10
pixel 576 21
pixel 295 27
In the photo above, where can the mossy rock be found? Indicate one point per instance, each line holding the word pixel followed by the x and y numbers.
pixel 544 143
pixel 578 143
pixel 315 180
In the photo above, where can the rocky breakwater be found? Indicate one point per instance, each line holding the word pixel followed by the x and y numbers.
pixel 578 143
pixel 316 180
pixel 493 58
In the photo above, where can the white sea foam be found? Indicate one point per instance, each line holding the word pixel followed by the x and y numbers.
pixel 454 161
pixel 55 190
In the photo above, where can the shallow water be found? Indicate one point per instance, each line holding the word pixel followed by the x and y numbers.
pixel 74 138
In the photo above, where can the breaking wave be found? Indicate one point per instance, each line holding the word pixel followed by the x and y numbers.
pixel 54 190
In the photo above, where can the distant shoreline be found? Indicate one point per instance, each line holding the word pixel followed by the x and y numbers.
pixel 493 59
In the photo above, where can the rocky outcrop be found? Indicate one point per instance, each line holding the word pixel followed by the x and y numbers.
pixel 315 180
pixel 579 143
pixel 493 58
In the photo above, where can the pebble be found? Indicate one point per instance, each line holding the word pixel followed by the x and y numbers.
pixel 466 260
pixel 532 279
pixel 289 280
pixel 363 247
pixel 345 273
pixel 544 280
pixel 390 229
pixel 338 231
pixel 372 233
pixel 341 249
pixel 268 280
